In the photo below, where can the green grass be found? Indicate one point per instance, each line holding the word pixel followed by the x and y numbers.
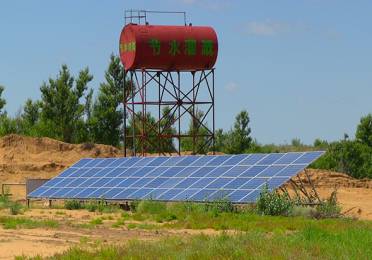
pixel 72 205
pixel 142 226
pixel 92 206
pixel 217 216
pixel 4 201
pixel 311 242
pixel 14 223
pixel 254 237
pixel 90 225
pixel 96 221
pixel 119 222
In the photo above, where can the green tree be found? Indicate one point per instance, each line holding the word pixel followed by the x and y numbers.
pixel 2 100
pixel 296 142
pixel 238 139
pixel 89 105
pixel 202 144
pixel 145 133
pixel 347 156
pixel 364 130
pixel 61 109
pixel 7 125
pixel 320 144
pixel 220 140
pixel 106 116
pixel 31 112
pixel 166 125
pixel 152 144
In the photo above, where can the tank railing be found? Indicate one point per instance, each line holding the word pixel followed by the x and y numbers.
pixel 140 16
pixel 133 16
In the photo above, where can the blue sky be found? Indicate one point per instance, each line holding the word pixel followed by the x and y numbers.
pixel 302 68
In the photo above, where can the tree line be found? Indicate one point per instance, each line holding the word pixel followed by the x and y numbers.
pixel 69 111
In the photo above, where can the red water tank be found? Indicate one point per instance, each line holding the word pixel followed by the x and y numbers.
pixel 170 48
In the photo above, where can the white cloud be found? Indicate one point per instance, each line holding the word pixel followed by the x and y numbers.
pixel 271 28
pixel 232 87
pixel 268 28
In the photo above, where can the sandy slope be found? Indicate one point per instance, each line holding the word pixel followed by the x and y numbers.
pixel 354 195
pixel 22 157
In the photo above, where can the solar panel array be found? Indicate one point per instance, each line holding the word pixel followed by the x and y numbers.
pixel 238 178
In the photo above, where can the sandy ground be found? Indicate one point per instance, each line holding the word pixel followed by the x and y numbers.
pixel 47 242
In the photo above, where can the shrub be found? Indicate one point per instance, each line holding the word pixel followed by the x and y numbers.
pixel 72 204
pixel 91 206
pixel 274 204
pixel 219 206
pixel 151 207
pixel 101 206
pixel 351 157
pixel 4 201
pixel 133 205
pixel 15 208
pixel 329 208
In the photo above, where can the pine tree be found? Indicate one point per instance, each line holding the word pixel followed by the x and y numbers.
pixel 238 139
pixel 61 109
pixel 106 116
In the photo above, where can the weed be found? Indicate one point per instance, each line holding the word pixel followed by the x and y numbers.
pixel 96 221
pixel 142 226
pixel 219 206
pixel 118 223
pixel 91 206
pixel 4 201
pixel 13 223
pixel 151 207
pixel 84 240
pixel 72 204
pixel 133 205
pixel 15 208
pixel 101 206
pixel 329 208
pixel 84 225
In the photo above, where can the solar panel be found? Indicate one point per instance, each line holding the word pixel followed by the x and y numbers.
pixel 238 178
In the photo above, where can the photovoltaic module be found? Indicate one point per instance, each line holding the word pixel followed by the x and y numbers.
pixel 238 178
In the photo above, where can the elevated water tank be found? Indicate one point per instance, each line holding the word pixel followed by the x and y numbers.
pixel 168 48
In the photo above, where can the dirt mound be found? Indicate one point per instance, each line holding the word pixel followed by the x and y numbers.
pixel 329 179
pixel 355 196
pixel 22 156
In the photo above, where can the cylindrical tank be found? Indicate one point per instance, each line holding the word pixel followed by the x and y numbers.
pixel 169 48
